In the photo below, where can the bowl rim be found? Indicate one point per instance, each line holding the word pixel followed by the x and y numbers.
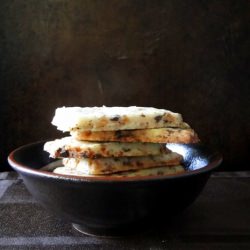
pixel 21 168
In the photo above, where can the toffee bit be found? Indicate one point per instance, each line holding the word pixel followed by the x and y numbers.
pixel 88 133
pixel 115 118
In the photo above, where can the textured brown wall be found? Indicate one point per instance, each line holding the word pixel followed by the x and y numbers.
pixel 187 56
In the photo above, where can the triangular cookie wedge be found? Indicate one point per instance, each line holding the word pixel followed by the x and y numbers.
pixel 114 118
pixel 158 135
pixel 157 171
pixel 113 165
pixel 72 148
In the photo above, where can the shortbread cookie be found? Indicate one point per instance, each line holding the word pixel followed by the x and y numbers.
pixel 114 118
pixel 157 171
pixel 157 135
pixel 113 165
pixel 70 147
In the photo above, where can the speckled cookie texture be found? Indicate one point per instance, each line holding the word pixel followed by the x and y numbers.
pixel 119 141
pixel 155 135
pixel 114 165
pixel 114 118
pixel 70 147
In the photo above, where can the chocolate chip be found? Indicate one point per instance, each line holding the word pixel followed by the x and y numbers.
pixel 97 156
pixel 160 172
pixel 139 164
pixel 115 118
pixel 64 153
pixel 127 163
pixel 84 155
pixel 118 134
pixel 158 118
pixel 126 149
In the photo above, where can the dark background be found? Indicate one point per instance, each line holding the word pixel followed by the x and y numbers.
pixel 186 56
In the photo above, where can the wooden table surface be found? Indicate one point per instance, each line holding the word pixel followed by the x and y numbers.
pixel 218 219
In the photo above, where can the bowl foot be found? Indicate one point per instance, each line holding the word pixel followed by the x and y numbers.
pixel 110 232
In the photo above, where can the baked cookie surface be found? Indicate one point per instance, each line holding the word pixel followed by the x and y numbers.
pixel 114 118
pixel 155 135
pixel 113 165
pixel 157 171
pixel 72 148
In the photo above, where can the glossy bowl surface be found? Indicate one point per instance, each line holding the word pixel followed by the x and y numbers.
pixel 110 206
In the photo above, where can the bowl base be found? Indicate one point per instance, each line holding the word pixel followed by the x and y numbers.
pixel 110 232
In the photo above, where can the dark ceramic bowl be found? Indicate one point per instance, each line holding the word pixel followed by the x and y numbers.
pixel 109 205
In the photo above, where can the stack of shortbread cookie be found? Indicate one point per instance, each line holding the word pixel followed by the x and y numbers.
pixel 119 141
